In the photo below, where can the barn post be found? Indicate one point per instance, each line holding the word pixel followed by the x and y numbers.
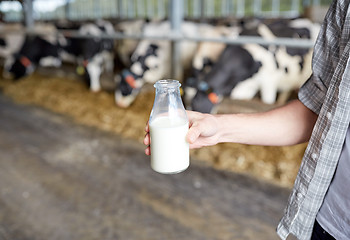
pixel 176 18
pixel 67 9
pixel 28 13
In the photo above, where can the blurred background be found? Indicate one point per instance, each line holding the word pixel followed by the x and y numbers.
pixel 76 90
pixel 12 11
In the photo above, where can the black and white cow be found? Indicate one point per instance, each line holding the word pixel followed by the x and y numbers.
pixel 215 84
pixel 11 39
pixel 50 48
pixel 272 69
pixel 206 55
pixel 151 60
pixel 126 47
pixel 29 57
pixel 96 54
pixel 12 36
pixel 33 49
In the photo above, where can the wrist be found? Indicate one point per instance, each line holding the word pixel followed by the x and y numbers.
pixel 223 127
pixel 231 128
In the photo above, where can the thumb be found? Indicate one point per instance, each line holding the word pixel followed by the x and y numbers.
pixel 194 132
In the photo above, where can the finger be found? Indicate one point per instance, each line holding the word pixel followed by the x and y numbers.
pixel 147 127
pixel 192 115
pixel 194 132
pixel 147 139
pixel 148 151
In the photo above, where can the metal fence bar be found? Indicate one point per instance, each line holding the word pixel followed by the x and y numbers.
pixel 29 16
pixel 241 40
pixel 176 19
pixel 67 9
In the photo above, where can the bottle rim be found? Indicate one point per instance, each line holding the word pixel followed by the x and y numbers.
pixel 169 83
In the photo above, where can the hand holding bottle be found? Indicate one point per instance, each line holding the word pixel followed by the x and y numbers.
pixel 203 131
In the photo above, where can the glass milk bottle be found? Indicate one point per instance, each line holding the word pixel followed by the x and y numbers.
pixel 168 125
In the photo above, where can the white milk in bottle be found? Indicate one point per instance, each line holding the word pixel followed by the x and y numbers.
pixel 168 126
pixel 169 148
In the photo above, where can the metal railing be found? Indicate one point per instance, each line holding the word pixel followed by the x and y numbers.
pixel 177 13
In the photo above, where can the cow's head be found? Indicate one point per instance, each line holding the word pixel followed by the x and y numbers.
pixel 205 99
pixel 143 68
pixel 21 67
pixel 35 50
pixel 128 87
pixel 199 71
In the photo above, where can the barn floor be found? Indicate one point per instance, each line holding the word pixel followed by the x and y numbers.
pixel 66 94
pixel 60 179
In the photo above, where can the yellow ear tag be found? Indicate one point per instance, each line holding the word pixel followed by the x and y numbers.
pixel 181 91
pixel 80 70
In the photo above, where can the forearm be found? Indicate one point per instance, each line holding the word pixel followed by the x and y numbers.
pixel 287 125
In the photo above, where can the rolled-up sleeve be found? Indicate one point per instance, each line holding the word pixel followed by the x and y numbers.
pixel 327 52
pixel 312 94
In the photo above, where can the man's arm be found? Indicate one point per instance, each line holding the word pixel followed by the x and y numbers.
pixel 287 125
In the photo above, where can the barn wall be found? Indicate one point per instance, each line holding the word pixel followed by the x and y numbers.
pixel 128 9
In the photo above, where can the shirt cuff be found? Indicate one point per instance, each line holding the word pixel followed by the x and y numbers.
pixel 312 95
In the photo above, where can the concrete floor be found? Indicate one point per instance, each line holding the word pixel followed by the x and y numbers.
pixel 60 180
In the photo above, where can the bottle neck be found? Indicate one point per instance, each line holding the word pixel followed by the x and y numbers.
pixel 168 101
pixel 168 85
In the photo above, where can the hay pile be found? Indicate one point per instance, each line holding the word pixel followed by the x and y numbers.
pixel 71 97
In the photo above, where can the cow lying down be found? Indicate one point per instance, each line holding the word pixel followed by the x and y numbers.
pixel 242 71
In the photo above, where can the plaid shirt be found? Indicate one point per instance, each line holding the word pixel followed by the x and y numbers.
pixel 326 93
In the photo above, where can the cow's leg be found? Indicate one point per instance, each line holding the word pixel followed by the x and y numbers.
pixel 7 66
pixel 50 61
pixel 245 90
pixel 269 89
pixel 283 97
pixel 108 58
pixel 94 70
